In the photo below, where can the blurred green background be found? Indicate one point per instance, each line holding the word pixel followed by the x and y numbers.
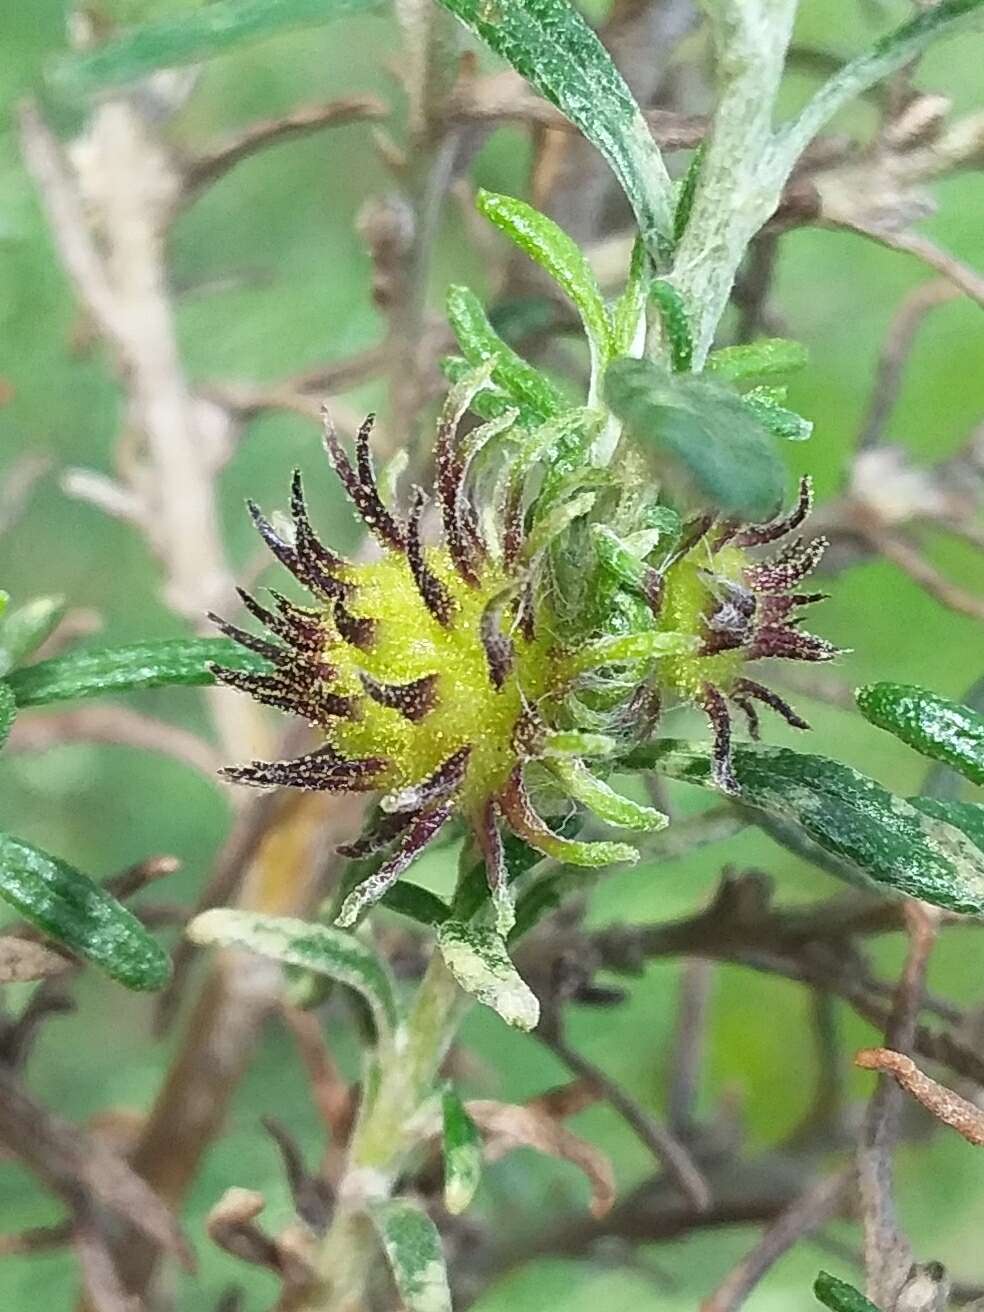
pixel 269 277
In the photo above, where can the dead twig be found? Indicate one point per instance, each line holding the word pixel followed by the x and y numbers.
pixel 206 168
pixel 81 1170
pixel 817 1205
pixel 115 726
pixel 665 1146
pixel 689 1037
pixel 22 960
pixel 963 277
pixel 895 352
pixel 947 1106
pixel 887 1253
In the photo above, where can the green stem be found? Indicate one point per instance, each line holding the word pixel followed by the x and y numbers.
pixel 384 1137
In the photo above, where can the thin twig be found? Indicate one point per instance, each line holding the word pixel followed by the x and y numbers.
pixel 968 280
pixel 116 726
pixel 947 1106
pixel 80 1169
pixel 206 168
pixel 664 1146
pixel 687 1054
pixel 507 98
pixel 895 351
pixel 910 561
pixel 888 1255
pixel 818 1204
pixel 39 1239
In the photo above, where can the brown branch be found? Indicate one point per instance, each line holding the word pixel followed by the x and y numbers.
pixel 966 279
pixel 81 1170
pixel 947 1106
pixel 817 1205
pixel 808 945
pixel 39 1239
pixel 887 1253
pixel 665 1147
pixel 911 562
pixel 507 98
pixel 895 351
pixel 207 167
pixel 19 480
pixel 116 726
pixel 690 1034
pixel 22 960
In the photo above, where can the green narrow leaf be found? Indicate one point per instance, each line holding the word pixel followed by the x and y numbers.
pixel 191 37
pixel 473 889
pixel 413 1249
pixel 462 1147
pixel 629 311
pixel 481 344
pixel 770 357
pixel 478 960
pixel 23 630
pixel 705 433
pixel 781 422
pixel 564 743
pixel 549 246
pixel 968 817
pixel 550 44
pixel 490 402
pixel 417 903
pixel 891 52
pixel 676 324
pixel 688 190
pixel 184 661
pixel 937 727
pixel 628 647
pixel 585 787
pixel 73 910
pixel 317 948
pixel 873 836
pixel 8 710
pixel 839 1296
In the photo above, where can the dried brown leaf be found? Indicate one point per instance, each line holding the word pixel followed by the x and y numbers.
pixel 21 960
pixel 507 1126
pixel 566 1099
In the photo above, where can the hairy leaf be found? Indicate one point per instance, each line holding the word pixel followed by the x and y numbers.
pixel 413 1249
pixel 73 910
pixel 557 253
pixel 839 1296
pixel 415 902
pixel 705 432
pixel 318 948
pixel 478 960
pixel 551 45
pixel 968 817
pixel 191 37
pixel 935 726
pixel 676 324
pixel 125 669
pixel 629 311
pixel 480 343
pixel 872 835
pixel 23 630
pixel 782 422
pixel 583 786
pixel 770 357
pixel 8 710
pixel 686 192
pixel 462 1146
